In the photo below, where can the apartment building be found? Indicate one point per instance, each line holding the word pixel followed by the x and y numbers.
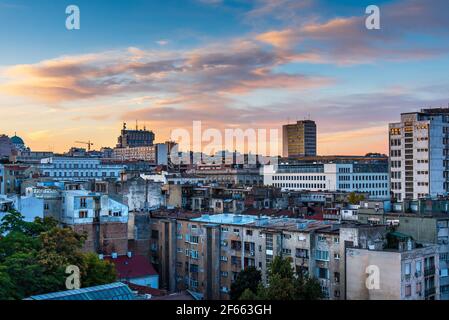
pixel 80 168
pixel 205 254
pixel 13 175
pixel 419 151
pixel 371 178
pixel 104 219
pixel 404 272
pixel 299 139
pixel 426 221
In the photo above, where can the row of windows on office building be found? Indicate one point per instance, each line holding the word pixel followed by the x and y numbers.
pixel 76 165
pixel 92 174
pixel 340 178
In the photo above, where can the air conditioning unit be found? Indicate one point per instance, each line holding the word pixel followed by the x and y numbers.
pixel 114 255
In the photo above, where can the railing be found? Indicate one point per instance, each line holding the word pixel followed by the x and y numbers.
pixel 429 271
pixel 429 292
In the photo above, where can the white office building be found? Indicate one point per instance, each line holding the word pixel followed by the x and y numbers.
pixel 371 178
pixel 419 154
pixel 65 168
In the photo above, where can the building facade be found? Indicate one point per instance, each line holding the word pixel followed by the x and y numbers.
pixel 205 254
pixel 64 168
pixel 371 178
pixel 299 139
pixel 135 138
pixel 419 154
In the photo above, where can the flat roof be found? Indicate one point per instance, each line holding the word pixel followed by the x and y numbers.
pixel 227 219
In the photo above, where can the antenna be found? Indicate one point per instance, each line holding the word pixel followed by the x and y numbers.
pixel 137 125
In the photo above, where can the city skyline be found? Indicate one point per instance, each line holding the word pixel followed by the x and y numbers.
pixel 230 64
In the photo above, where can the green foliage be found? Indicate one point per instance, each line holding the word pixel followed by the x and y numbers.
pixel 247 279
pixel 35 255
pixel 354 198
pixel 98 271
pixel 283 284
pixel 248 295
pixel 6 285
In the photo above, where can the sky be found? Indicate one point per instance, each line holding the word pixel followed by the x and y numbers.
pixel 249 64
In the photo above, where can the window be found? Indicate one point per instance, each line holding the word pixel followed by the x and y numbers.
pixel 408 290
pixel 337 277
pixel 408 269
pixel 336 256
pixel 418 287
pixel 322 255
pixel 83 214
pixel 194 254
pixel 321 238
pixel 322 273
pixel 418 268
pixel 194 239
pixel 83 203
pixel 249 232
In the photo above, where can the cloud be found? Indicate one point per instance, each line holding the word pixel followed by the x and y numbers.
pixel 345 40
pixel 162 42
pixel 237 67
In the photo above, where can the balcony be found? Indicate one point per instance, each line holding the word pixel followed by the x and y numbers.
pixel 429 271
pixel 429 292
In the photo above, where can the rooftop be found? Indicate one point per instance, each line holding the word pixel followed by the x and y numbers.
pixel 226 219
pixel 134 267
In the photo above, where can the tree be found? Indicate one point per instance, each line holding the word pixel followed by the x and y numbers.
pixel 14 222
pixel 34 257
pixel 248 279
pixel 308 289
pixel 354 198
pixel 248 295
pixel 97 272
pixel 285 284
pixel 6 285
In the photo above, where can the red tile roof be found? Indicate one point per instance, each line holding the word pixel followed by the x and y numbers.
pixel 145 290
pixel 134 267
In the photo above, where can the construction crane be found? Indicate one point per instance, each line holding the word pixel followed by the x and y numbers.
pixel 89 144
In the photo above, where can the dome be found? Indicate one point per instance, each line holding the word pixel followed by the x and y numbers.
pixel 17 141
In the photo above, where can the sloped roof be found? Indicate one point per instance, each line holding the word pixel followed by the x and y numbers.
pixel 113 291
pixel 134 267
